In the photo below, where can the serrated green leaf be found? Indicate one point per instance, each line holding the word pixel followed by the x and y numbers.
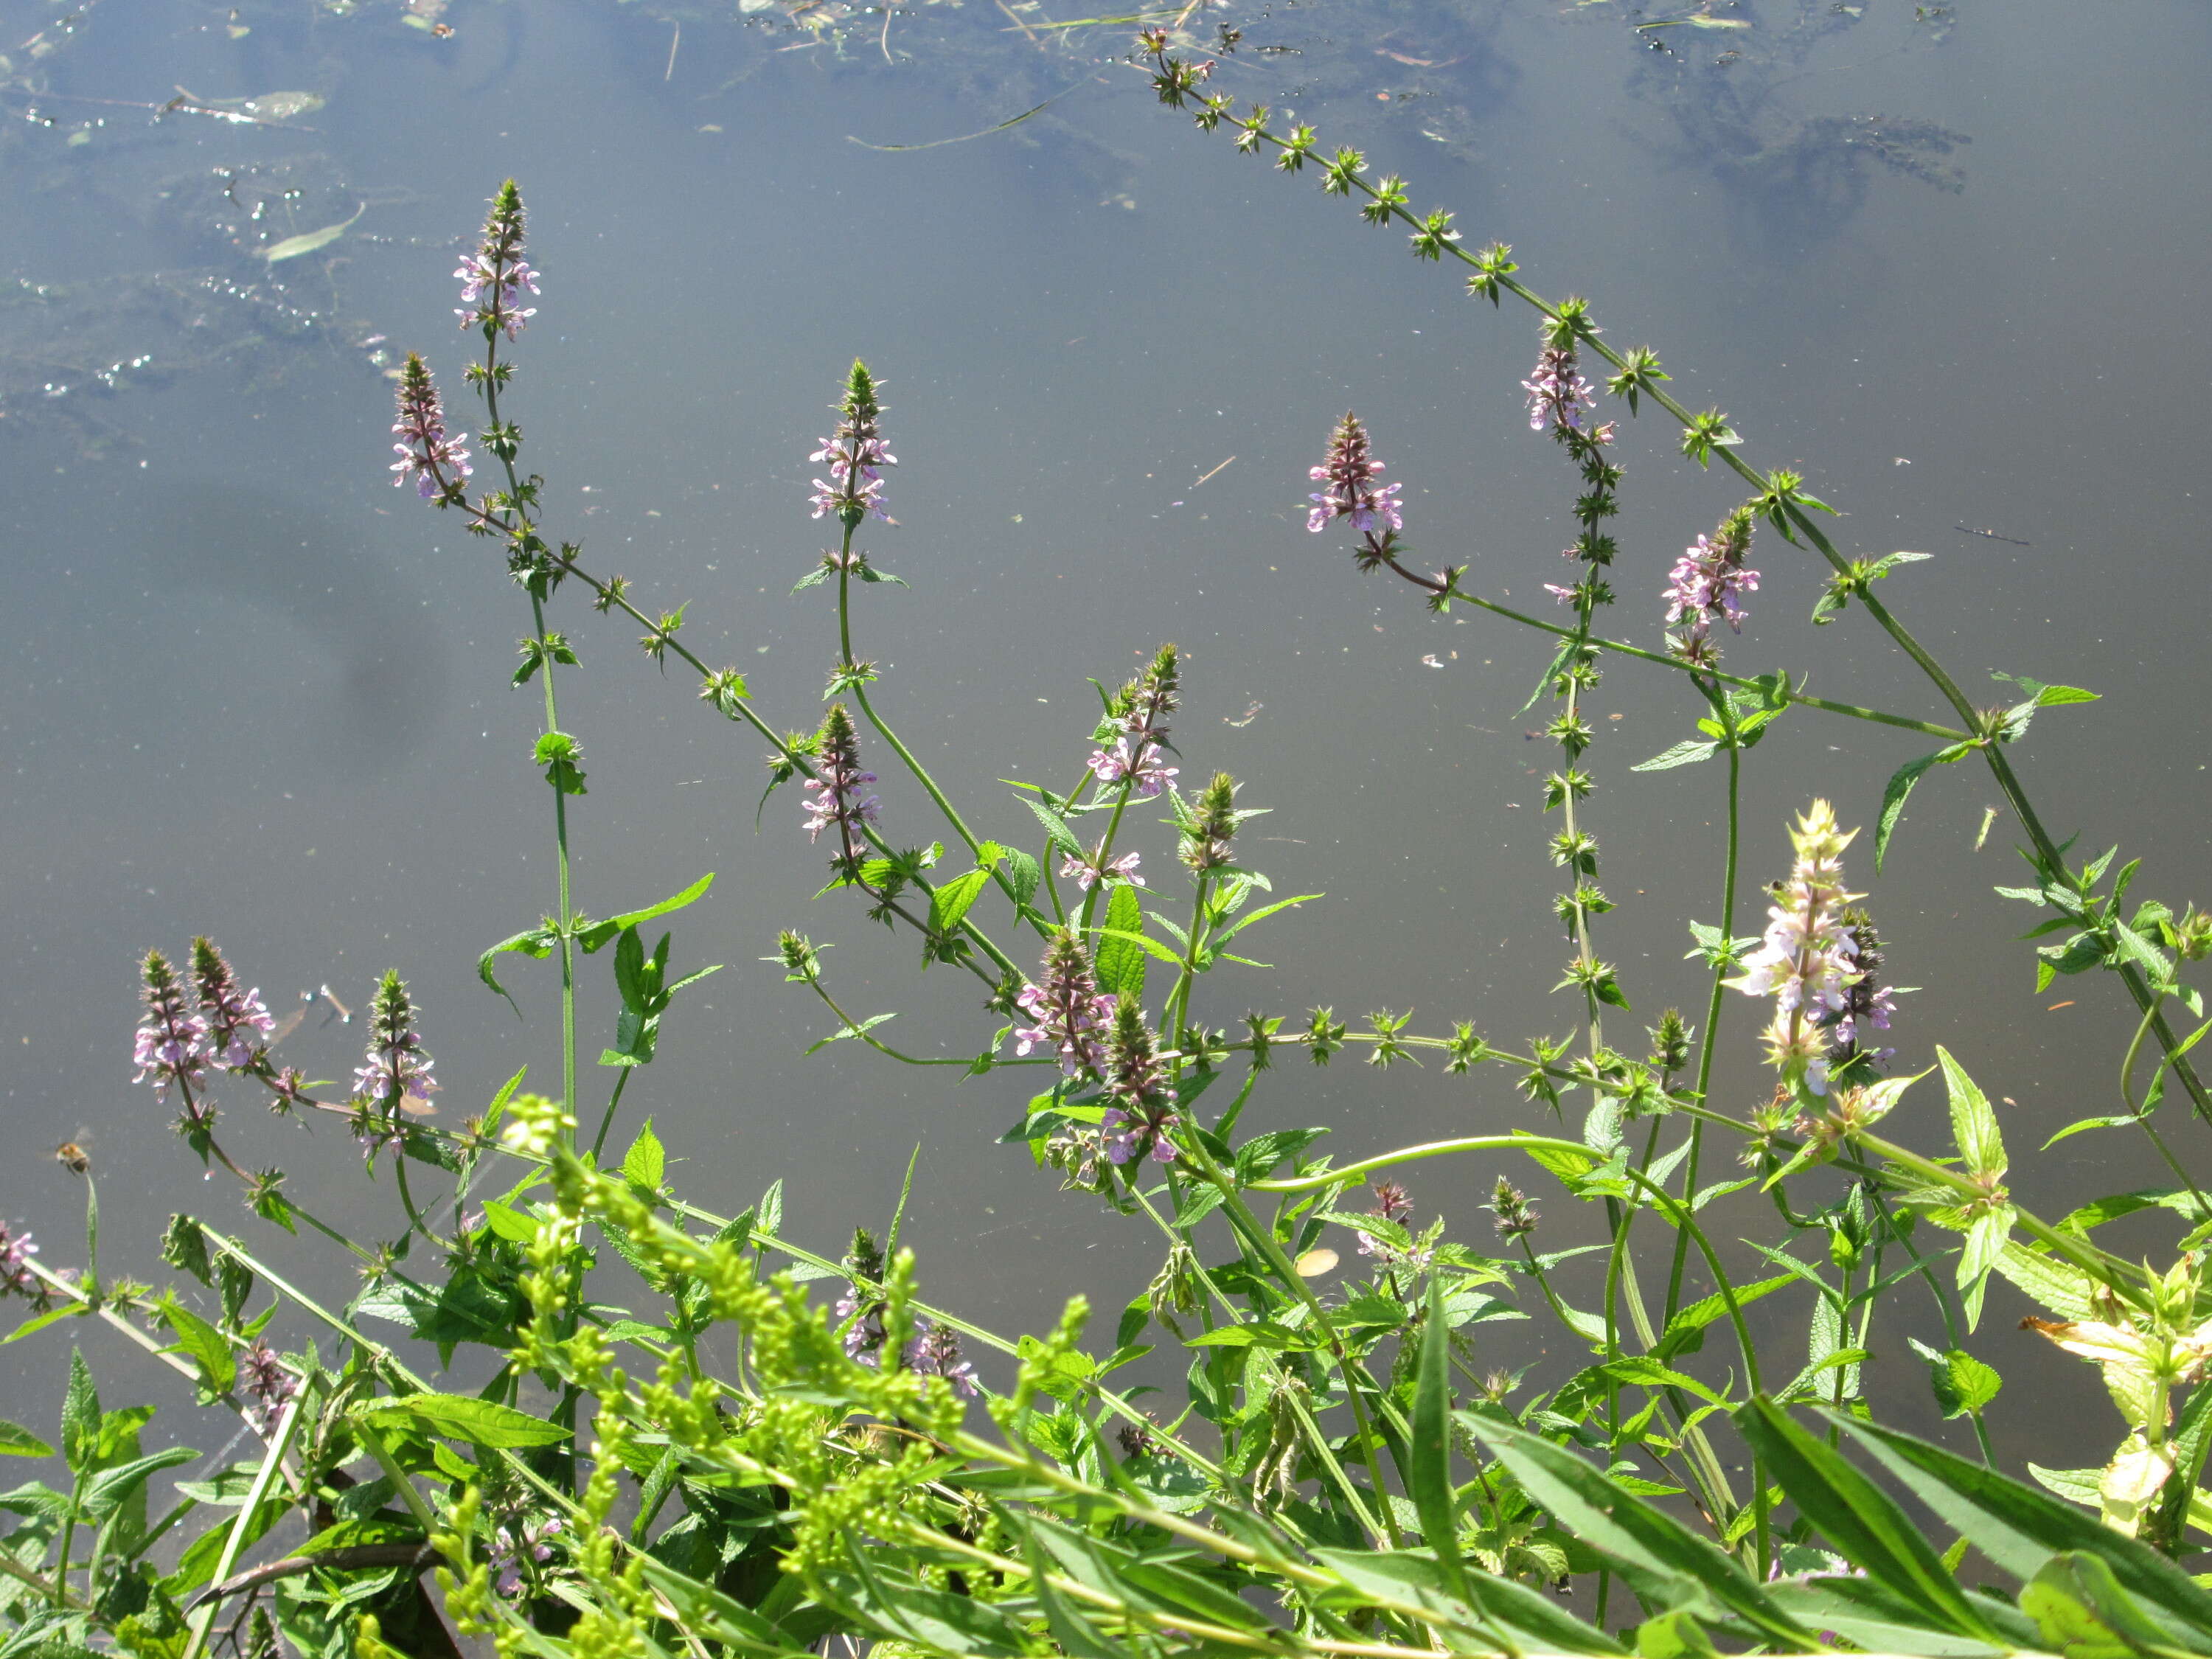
pixel 1118 961
pixel 645 1162
pixel 1686 753
pixel 16 1441
pixel 218 1365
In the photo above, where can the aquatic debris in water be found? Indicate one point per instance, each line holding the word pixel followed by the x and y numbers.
pixel 293 246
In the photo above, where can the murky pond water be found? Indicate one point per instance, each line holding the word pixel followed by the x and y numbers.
pixel 1948 259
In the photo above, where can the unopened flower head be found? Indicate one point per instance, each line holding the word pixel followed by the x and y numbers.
pixel 395 1066
pixel 1558 397
pixel 494 276
pixel 1706 585
pixel 855 455
pixel 171 1044
pixel 1144 1100
pixel 1394 1205
pixel 1351 484
pixel 1516 1212
pixel 1067 1015
pixel 1209 824
pixel 1807 959
pixel 238 1021
pixel 435 462
pixel 935 1352
pixel 837 796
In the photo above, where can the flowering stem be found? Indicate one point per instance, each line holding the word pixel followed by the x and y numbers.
pixel 1452 590
pixel 921 773
pixel 1714 1003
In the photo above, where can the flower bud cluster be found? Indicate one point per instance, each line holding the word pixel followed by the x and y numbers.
pixel 16 1251
pixel 170 1046
pixel 1514 1210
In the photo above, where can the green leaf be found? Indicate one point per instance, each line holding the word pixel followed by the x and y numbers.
pixel 1022 872
pixel 1428 1456
pixel 2020 1530
pixel 1262 915
pixel 112 1488
pixel 462 1417
pixel 1973 1124
pixel 508 1223
pixel 1257 1333
pixel 1151 947
pixel 2081 1126
pixel 218 1365
pixel 1057 834
pixel 1118 961
pixel 536 942
pixel 950 904
pixel 1674 1635
pixel 1962 1383
pixel 1858 1517
pixel 16 1441
pixel 2080 1610
pixel 1895 794
pixel 1592 1508
pixel 644 1163
pixel 1685 753
pixel 80 1415
pixel 1071 1633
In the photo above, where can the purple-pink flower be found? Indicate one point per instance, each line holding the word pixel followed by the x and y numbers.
pixel 435 462
pixel 1705 586
pixel 170 1045
pixel 493 277
pixel 835 797
pixel 1351 484
pixel 854 456
pixel 267 1384
pixel 1143 766
pixel 936 1353
pixel 1143 1092
pixel 395 1068
pixel 1807 961
pixel 1068 1016
pixel 1558 397
pixel 16 1251
pixel 238 1021
pixel 1088 872
pixel 507 1555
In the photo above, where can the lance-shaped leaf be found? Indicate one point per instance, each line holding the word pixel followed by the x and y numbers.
pixel 1859 1518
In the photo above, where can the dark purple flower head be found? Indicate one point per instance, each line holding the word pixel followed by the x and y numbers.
pixel 238 1021
pixel 396 1065
pixel 936 1353
pixel 1352 486
pixel 267 1384
pixel 1868 1005
pixel 16 1251
pixel 1392 1203
pixel 493 277
pixel 1067 1015
pixel 1558 397
pixel 435 462
pixel 171 1044
pixel 835 796
pixel 854 454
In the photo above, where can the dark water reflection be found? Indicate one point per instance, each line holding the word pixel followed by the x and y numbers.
pixel 249 690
